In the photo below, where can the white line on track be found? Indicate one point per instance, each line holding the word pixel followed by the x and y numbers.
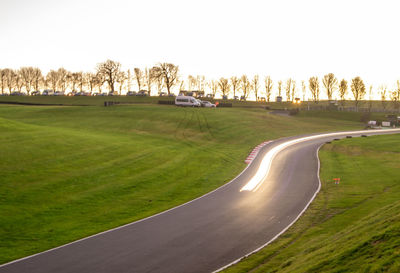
pixel 258 179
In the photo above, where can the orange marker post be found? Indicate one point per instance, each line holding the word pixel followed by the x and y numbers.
pixel 336 180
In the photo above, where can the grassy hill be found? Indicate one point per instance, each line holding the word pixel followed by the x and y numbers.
pixel 350 227
pixel 68 172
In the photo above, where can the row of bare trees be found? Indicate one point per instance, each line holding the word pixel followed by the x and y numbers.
pixel 165 76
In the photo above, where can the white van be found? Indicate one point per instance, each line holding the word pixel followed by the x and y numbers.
pixel 187 101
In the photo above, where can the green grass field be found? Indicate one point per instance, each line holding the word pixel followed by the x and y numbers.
pixel 68 172
pixel 350 227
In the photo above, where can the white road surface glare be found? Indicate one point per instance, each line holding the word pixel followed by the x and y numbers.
pixel 259 178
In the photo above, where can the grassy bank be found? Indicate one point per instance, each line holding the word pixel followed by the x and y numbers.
pixel 68 172
pixel 99 101
pixel 350 227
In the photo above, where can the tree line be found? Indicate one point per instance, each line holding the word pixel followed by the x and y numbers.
pixel 165 76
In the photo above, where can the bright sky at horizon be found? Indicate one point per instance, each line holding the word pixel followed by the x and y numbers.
pixel 286 38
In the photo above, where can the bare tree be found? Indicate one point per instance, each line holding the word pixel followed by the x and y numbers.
pixel 289 84
pixel 314 88
pixel 330 83
pixel 138 77
pixel 383 94
pixel 27 76
pixel 109 70
pixel 10 77
pixel 128 78
pixel 200 82
pixel 304 89
pixel 370 98
pixel 19 82
pixel 90 79
pixel 63 75
pixel 214 87
pixel 182 85
pixel 343 90
pixel 280 88
pixel 268 87
pixel 235 83
pixel 192 82
pixel 224 86
pixel 99 81
pixel 245 85
pixel 121 78
pixel 76 80
pixel 358 90
pixel 3 80
pixel 255 85
pixel 149 78
pixel 37 78
pixel 395 96
pixel 52 79
pixel 293 89
pixel 159 80
pixel 170 74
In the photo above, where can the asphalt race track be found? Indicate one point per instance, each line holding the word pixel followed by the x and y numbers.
pixel 206 234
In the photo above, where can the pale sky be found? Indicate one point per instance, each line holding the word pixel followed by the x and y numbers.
pixel 285 38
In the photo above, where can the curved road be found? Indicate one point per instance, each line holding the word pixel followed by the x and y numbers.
pixel 206 233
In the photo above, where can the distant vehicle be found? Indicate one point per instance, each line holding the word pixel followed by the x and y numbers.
pixel 187 101
pixel 162 94
pixel 131 93
pixel 59 93
pixel 48 92
pixel 17 93
pixel 102 94
pixel 142 93
pixel 224 97
pixel 171 95
pixel 35 93
pixel 207 104
pixel 81 94
pixel 4 94
pixel 210 96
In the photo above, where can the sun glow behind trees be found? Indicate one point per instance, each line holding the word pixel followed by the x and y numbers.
pixel 282 39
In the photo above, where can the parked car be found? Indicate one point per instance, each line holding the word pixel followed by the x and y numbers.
pixel 17 93
pixel 162 94
pixel 143 93
pixel 131 93
pixel 35 93
pixel 48 92
pixel 187 101
pixel 171 95
pixel 207 104
pixel 59 93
